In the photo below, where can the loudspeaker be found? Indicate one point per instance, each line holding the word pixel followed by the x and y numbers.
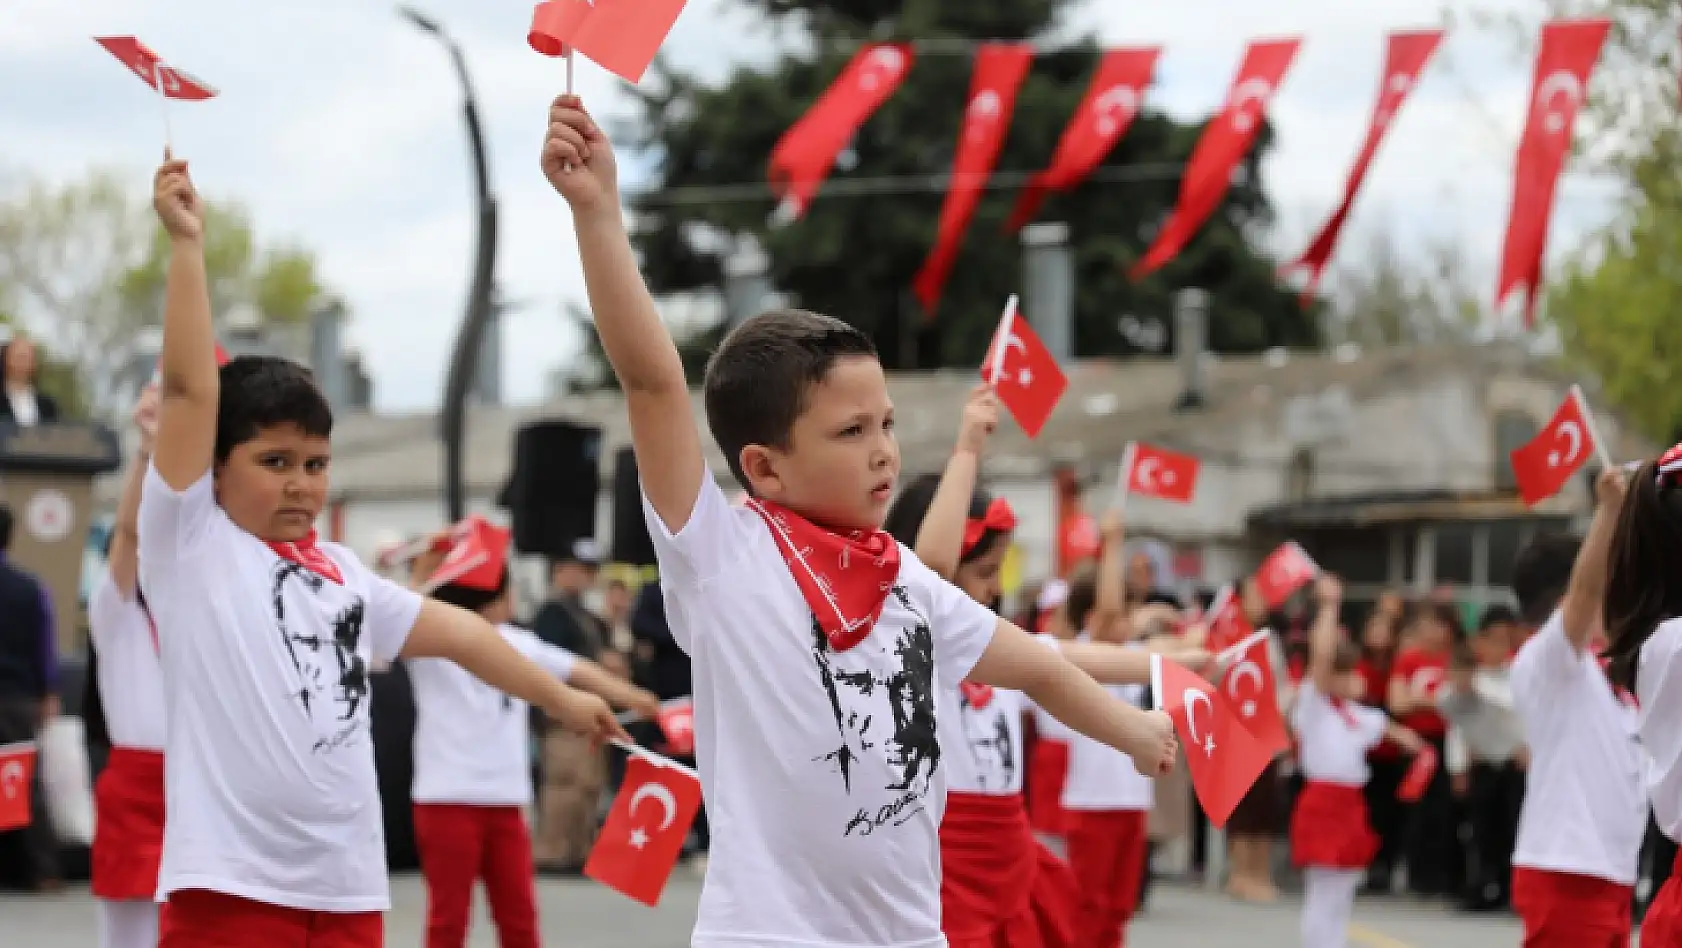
pixel 553 489
pixel 631 543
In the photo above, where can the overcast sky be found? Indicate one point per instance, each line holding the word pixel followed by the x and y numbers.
pixel 339 127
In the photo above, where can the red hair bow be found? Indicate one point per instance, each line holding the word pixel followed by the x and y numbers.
pixel 998 517
pixel 1670 467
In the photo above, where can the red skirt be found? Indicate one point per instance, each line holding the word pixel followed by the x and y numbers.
pixel 128 839
pixel 1048 767
pixel 1330 829
pixel 1566 910
pixel 998 887
pixel 1662 928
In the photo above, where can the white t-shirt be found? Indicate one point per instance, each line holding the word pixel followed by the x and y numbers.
pixel 131 678
pixel 270 764
pixel 1658 683
pixel 982 747
pixel 1331 749
pixel 822 771
pixel 1103 778
pixel 26 411
pixel 1048 728
pixel 472 742
pixel 1585 805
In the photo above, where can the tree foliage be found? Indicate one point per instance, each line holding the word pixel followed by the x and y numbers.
pixel 856 256
pixel 83 264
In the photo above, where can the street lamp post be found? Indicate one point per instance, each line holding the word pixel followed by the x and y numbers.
pixel 479 306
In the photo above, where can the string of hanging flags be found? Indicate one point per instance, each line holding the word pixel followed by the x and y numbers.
pixel 805 155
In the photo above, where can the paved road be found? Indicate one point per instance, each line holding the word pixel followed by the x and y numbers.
pixel 584 915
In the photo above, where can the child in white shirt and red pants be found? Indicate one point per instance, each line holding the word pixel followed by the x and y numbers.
pixel 1332 839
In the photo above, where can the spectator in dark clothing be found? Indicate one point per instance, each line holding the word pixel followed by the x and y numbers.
pixel 23 405
pixel 28 699
pixel 563 621
pixel 663 668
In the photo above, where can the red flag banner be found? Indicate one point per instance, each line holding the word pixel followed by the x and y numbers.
pixel 1252 688
pixel 1224 758
pixel 1224 144
pixel 1548 461
pixel 1418 777
pixel 1111 104
pixel 17 771
pixel 1403 62
pixel 1228 625
pixel 1025 374
pixel 150 67
pixel 1568 54
pixel 1000 69
pixel 644 833
pixel 805 154
pixel 620 36
pixel 677 725
pixel 1285 571
pixel 1160 473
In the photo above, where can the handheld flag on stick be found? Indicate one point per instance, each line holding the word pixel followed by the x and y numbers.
pixel 638 846
pixel 171 82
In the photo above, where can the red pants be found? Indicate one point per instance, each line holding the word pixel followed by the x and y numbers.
pixel 1107 853
pixel 1048 766
pixel 460 845
pixel 196 918
pixel 1662 928
pixel 128 839
pixel 998 887
pixel 1563 910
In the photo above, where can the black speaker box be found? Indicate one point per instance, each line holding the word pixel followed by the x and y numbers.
pixel 631 543
pixel 553 490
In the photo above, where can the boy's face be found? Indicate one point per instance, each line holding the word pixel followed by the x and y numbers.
pixel 843 460
pixel 275 485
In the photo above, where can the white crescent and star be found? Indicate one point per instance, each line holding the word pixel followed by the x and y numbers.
pixel 1571 434
pixel 884 63
pixel 11 779
pixel 1115 108
pixel 1248 91
pixel 1191 697
pixel 660 793
pixel 1244 669
pixel 1558 85
pixel 1146 475
pixel 1394 90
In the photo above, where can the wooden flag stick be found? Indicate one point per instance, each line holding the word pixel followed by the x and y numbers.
pixel 1001 341
pixel 1594 430
pixel 163 104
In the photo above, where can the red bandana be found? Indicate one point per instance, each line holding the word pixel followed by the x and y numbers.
pixel 845 579
pixel 998 517
pixel 306 554
pixel 978 695
pixel 1341 706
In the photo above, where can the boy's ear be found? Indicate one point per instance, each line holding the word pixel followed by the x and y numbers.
pixel 759 464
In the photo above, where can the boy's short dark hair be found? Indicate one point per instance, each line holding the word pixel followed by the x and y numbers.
pixel 264 392
pixel 1541 573
pixel 1496 615
pixel 471 599
pixel 756 382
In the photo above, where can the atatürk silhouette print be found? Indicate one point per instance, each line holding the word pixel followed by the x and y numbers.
pixel 332 679
pixel 887 715
pixel 987 730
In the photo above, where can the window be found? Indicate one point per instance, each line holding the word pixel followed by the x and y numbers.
pixel 1506 538
pixel 1454 552
pixel 1512 430
pixel 1358 556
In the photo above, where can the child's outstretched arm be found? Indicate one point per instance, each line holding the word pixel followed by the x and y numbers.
pixel 190 384
pixel 1014 660
pixel 1587 589
pixel 1322 638
pixel 940 540
pixel 465 638
pixel 579 162
pixel 124 559
pixel 1119 665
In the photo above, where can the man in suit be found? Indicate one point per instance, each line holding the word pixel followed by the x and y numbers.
pixel 23 405
pixel 28 699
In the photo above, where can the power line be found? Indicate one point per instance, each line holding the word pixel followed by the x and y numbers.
pixel 896 184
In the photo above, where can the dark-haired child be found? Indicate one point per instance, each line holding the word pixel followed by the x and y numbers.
pixel 1585 806
pixel 472 777
pixel 274 827
pixel 819 644
pixel 129 795
pixel 999 887
pixel 1331 838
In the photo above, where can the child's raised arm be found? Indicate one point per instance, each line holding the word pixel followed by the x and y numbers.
pixel 190 383
pixel 124 559
pixel 579 162
pixel 1323 637
pixel 940 540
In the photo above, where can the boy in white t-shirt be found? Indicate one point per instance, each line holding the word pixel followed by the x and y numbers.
pixel 817 651
pixel 1585 801
pixel 472 750
pixel 274 827
pixel 129 795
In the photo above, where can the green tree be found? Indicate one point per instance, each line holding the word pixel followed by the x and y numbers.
pixel 1385 298
pixel 84 263
pixel 856 257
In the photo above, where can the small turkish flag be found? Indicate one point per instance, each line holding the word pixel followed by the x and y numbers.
pixel 17 771
pixel 149 66
pixel 477 557
pixel 1418 777
pixel 1224 758
pixel 677 724
pixel 644 833
pixel 621 36
pixel 1250 685
pixel 1026 375
pixel 1547 463
pixel 1285 571
pixel 1163 474
pixel 1227 623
